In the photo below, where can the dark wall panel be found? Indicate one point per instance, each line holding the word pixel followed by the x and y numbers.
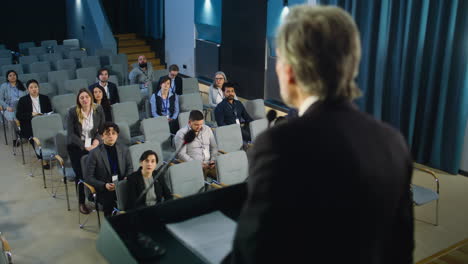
pixel 32 20
pixel 242 54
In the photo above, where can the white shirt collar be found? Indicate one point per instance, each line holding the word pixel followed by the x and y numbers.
pixel 307 103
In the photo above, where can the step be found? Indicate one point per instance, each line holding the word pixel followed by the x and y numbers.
pixel 125 35
pixel 134 49
pixel 131 42
pixel 147 54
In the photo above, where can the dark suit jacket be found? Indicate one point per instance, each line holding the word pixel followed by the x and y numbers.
pixel 226 114
pixel 113 92
pixel 178 85
pixel 328 187
pixel 74 127
pixel 98 170
pixel 24 111
pixel 136 185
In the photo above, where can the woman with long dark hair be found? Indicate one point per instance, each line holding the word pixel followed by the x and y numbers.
pixel 100 98
pixel 10 93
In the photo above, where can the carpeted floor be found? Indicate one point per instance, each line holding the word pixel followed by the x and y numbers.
pixel 455 254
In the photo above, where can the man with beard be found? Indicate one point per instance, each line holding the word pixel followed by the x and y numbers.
pixel 142 75
pixel 231 111
pixel 333 185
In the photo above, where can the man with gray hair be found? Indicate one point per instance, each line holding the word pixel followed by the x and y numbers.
pixel 351 200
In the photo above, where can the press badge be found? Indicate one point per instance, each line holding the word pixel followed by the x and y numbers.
pixel 237 121
pixel 87 142
pixel 115 178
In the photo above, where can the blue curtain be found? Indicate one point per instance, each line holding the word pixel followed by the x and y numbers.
pixel 414 72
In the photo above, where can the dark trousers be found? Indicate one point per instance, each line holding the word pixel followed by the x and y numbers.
pixel 107 200
pixel 174 126
pixel 75 154
pixel 245 130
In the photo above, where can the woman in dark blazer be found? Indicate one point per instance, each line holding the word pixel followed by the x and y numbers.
pixel 27 109
pixel 143 177
pixel 100 98
pixel 84 122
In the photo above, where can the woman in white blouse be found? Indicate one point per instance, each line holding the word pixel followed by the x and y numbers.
pixel 84 123
pixel 215 93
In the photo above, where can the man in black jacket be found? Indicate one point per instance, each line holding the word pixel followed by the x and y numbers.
pixel 110 88
pixel 107 164
pixel 333 185
pixel 231 111
pixel 176 80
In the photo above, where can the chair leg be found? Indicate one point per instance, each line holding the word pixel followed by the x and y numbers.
pixel 4 129
pixel 437 213
pixel 42 167
pixel 66 189
pixel 97 211
pixel 22 152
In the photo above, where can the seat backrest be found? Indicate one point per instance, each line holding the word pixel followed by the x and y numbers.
pixel 114 79
pixel 36 51
pixel 76 54
pixel 18 68
pixel 119 59
pixel 47 89
pixel 156 129
pixel 257 126
pixel 125 137
pixel 5 54
pixel 183 119
pixel 40 66
pixel 73 86
pixel 190 85
pixel 230 172
pixel 229 138
pixel 75 43
pixel 103 55
pixel 5 61
pixel 83 163
pixel 58 78
pixel 24 47
pixel 69 65
pixel 186 178
pixel 122 194
pixel 61 104
pixel 25 77
pixel 46 127
pixel 125 112
pixel 157 74
pixel 52 57
pixel 120 71
pixel 90 61
pixel 130 93
pixel 138 149
pixel 255 108
pixel 63 50
pixel 28 59
pixel 61 144
pixel 49 43
pixel 189 102
pixel 88 73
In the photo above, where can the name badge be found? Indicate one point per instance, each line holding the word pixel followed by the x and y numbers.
pixel 87 142
pixel 115 178
pixel 237 121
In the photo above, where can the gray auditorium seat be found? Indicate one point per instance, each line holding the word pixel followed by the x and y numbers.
pixel 36 51
pixel 90 61
pixel 42 68
pixel 69 65
pixel 88 73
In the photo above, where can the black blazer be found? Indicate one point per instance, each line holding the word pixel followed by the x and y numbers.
pixel 226 114
pixel 113 92
pixel 98 170
pixel 330 186
pixel 74 127
pixel 136 185
pixel 178 85
pixel 24 111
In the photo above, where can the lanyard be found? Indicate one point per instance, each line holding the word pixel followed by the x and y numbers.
pixel 233 109
pixel 165 103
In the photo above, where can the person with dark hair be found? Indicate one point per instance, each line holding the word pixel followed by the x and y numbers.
pixel 83 125
pixel 203 148
pixel 176 80
pixel 10 93
pixel 142 75
pixel 107 164
pixel 100 98
pixel 110 88
pixel 231 111
pixel 138 181
pixel 360 166
pixel 30 106
pixel 166 103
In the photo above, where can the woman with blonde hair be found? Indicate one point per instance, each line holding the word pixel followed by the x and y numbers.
pixel 83 125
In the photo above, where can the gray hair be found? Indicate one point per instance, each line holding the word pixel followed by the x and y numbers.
pixel 321 43
pixel 220 73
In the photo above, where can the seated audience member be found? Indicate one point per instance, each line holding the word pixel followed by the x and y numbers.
pixel 100 98
pixel 231 111
pixel 215 93
pixel 166 103
pixel 142 75
pixel 10 93
pixel 203 148
pixel 107 164
pixel 30 106
pixel 138 181
pixel 83 124
pixel 110 88
pixel 176 80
